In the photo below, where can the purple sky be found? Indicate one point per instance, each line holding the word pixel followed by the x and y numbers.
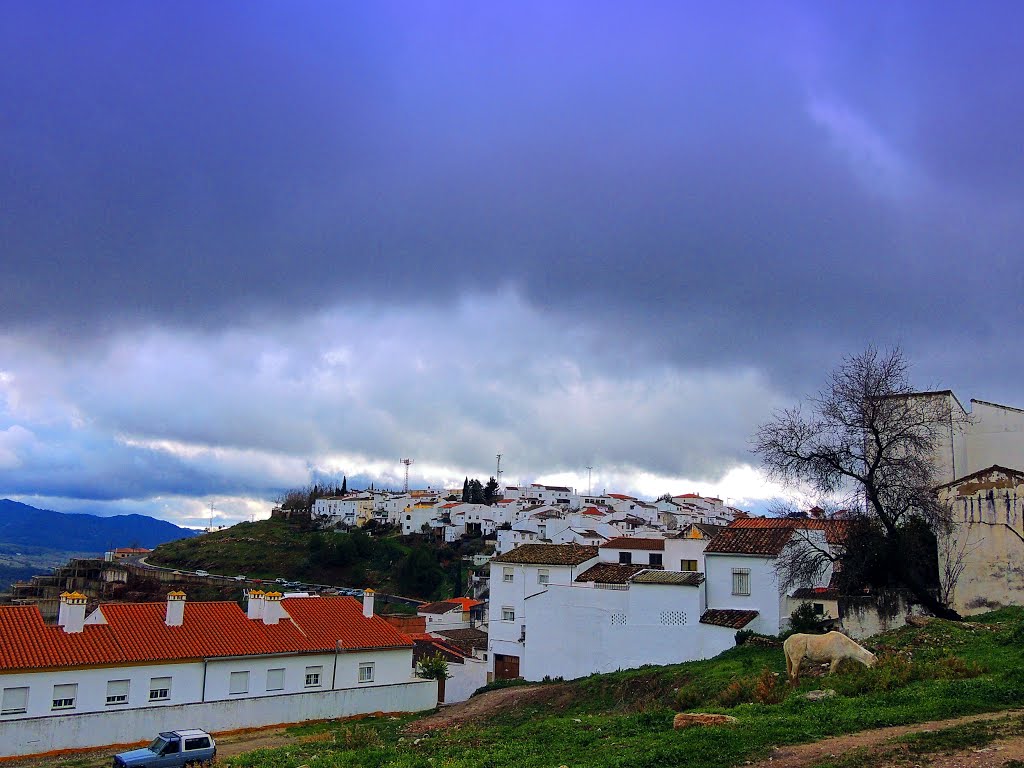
pixel 244 244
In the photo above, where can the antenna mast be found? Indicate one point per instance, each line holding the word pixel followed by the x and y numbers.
pixel 497 473
pixel 211 517
pixel 407 462
pixel 589 471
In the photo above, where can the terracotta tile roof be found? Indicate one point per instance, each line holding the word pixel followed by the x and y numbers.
pixel 728 617
pixel 835 529
pixel 682 578
pixel 821 593
pixel 593 511
pixel 137 632
pixel 465 602
pixel 425 645
pixel 634 542
pixel 468 640
pixel 609 573
pixel 548 554
pixel 326 620
pixel 767 542
pixel 621 497
pixel 442 606
pixel 27 642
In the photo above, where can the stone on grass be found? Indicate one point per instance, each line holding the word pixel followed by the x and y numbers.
pixel 828 693
pixel 691 719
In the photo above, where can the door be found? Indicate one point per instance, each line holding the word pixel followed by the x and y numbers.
pixel 506 667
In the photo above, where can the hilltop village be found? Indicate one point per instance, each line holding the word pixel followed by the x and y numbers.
pixel 567 584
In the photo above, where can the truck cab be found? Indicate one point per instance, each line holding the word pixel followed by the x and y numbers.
pixel 171 749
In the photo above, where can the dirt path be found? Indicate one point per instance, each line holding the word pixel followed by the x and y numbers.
pixel 488 704
pixel 878 744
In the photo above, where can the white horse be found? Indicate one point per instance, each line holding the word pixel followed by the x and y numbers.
pixel 832 647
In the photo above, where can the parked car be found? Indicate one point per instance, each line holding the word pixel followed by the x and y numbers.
pixel 202 573
pixel 280 580
pixel 239 577
pixel 171 749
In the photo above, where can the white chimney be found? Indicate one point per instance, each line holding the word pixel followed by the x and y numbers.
pixel 175 609
pixel 368 603
pixel 71 615
pixel 255 608
pixel 273 611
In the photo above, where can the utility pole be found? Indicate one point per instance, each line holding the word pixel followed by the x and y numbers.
pixel 211 517
pixel 589 471
pixel 407 462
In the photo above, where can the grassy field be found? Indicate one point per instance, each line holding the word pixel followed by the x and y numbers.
pixel 625 719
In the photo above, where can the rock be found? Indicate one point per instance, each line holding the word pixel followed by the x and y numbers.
pixel 918 621
pixel 828 693
pixel 691 719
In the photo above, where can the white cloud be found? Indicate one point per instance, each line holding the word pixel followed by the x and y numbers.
pixel 238 413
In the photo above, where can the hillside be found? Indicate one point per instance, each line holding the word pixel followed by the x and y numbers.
pixel 624 719
pixel 23 525
pixel 270 549
pixel 33 541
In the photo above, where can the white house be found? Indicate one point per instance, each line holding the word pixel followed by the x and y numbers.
pixel 616 616
pixel 355 509
pixel 742 586
pixel 515 576
pixel 115 676
pixel 634 550
pixel 454 613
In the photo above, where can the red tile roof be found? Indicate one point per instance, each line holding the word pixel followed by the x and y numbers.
pixel 728 617
pixel 465 602
pixel 137 632
pixel 835 529
pixel 443 606
pixel 593 511
pixel 548 554
pixel 767 542
pixel 621 497
pixel 634 542
pixel 610 573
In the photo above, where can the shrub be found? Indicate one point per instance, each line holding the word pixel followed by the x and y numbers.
pixel 739 691
pixel 803 619
pixel 769 688
pixel 689 696
pixel 743 635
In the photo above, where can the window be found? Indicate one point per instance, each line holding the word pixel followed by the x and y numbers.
pixel 199 742
pixel 542 530
pixel 15 701
pixel 117 691
pixel 159 688
pixel 239 682
pixel 313 676
pixel 275 679
pixel 626 558
pixel 741 581
pixel 687 565
pixel 366 672
pixel 507 575
pixel 542 575
pixel 64 696
pixel 508 613
pixel 819 609
pixel 655 559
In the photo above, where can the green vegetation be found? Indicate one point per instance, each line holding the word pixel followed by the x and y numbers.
pixel 270 549
pixel 943 670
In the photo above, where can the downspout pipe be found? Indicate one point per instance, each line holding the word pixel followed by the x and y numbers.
pixel 334 674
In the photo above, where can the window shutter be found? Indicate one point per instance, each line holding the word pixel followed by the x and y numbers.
pixel 275 679
pixel 239 682
pixel 117 691
pixel 15 701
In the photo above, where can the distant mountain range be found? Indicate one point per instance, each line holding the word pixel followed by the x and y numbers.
pixel 25 526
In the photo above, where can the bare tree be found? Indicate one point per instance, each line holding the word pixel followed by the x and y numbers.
pixel 868 436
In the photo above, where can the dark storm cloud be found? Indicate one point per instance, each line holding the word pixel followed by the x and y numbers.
pixel 740 180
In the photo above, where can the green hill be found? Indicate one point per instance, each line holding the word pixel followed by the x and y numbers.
pixel 271 549
pixel 624 719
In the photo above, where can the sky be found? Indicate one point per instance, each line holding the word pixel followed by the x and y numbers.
pixel 244 245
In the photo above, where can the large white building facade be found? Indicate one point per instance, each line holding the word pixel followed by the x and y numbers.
pixel 110 677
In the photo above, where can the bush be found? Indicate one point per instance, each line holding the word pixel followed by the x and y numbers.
pixel 739 691
pixel 743 635
pixel 770 688
pixel 804 620
pixel 689 696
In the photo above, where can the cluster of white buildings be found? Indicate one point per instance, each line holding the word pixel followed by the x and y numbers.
pixel 536 513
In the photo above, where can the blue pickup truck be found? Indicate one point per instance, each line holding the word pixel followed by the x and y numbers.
pixel 172 749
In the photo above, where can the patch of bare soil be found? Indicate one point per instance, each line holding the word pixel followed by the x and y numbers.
pixel 878 749
pixel 487 705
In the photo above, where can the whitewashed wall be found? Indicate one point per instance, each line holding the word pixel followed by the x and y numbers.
pixel 36 735
pixel 465 679
pixel 994 436
pixel 575 631
pixel 764 589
